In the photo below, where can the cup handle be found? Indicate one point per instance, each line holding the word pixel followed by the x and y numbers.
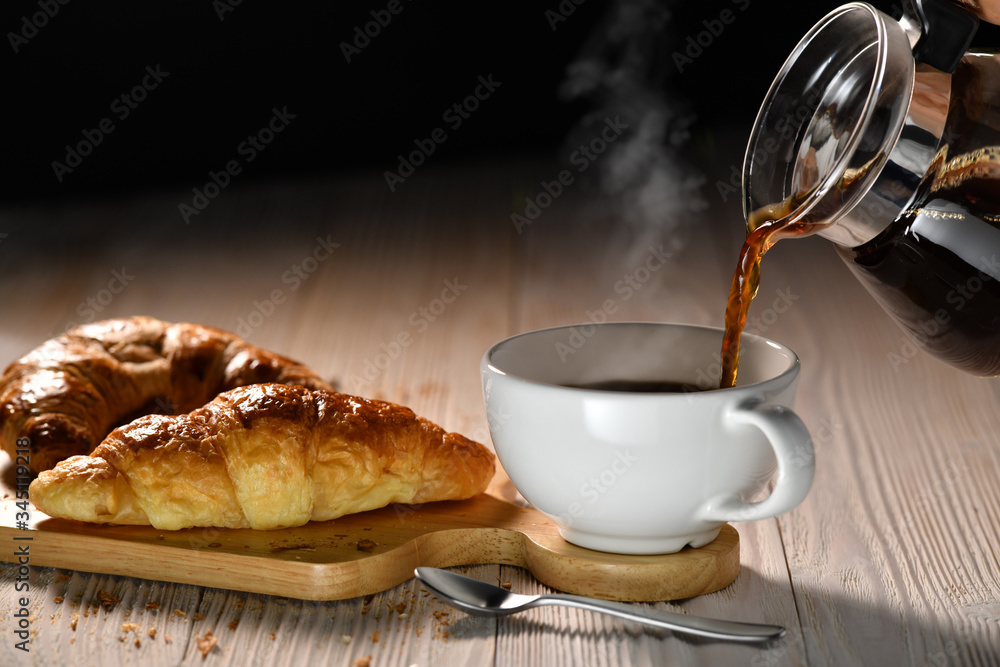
pixel 796 464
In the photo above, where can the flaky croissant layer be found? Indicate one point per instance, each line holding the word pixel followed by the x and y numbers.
pixel 264 456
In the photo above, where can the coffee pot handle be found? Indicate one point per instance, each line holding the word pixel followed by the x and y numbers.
pixel 939 31
pixel 793 449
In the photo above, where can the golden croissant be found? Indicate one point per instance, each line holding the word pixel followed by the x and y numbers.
pixel 264 456
pixel 65 396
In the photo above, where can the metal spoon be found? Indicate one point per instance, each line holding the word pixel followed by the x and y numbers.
pixel 481 599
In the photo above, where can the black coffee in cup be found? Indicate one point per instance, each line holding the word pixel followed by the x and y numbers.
pixel 639 386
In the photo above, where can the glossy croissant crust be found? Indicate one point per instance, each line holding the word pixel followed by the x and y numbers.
pixel 66 395
pixel 264 456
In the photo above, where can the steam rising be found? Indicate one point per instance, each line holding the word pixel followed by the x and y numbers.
pixel 623 70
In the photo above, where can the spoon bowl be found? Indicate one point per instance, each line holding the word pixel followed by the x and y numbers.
pixel 479 598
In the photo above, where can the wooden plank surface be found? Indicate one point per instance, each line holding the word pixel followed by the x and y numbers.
pixel 890 560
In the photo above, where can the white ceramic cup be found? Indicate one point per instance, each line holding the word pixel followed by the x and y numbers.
pixel 641 472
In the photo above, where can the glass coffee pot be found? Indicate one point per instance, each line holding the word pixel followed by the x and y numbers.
pixel 883 136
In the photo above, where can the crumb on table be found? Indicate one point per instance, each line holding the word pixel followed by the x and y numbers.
pixel 106 599
pixel 206 643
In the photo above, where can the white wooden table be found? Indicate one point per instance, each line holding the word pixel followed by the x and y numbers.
pixel 890 560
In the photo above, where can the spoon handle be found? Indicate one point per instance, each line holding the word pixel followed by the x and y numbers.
pixel 694 625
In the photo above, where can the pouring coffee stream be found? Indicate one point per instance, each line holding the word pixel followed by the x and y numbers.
pixel 765 227
pixel 888 135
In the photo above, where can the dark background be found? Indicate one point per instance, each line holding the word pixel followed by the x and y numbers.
pixel 230 65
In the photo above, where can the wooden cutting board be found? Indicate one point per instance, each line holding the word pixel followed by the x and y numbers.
pixel 369 552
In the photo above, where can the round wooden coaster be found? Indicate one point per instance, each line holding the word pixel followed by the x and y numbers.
pixel 687 573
